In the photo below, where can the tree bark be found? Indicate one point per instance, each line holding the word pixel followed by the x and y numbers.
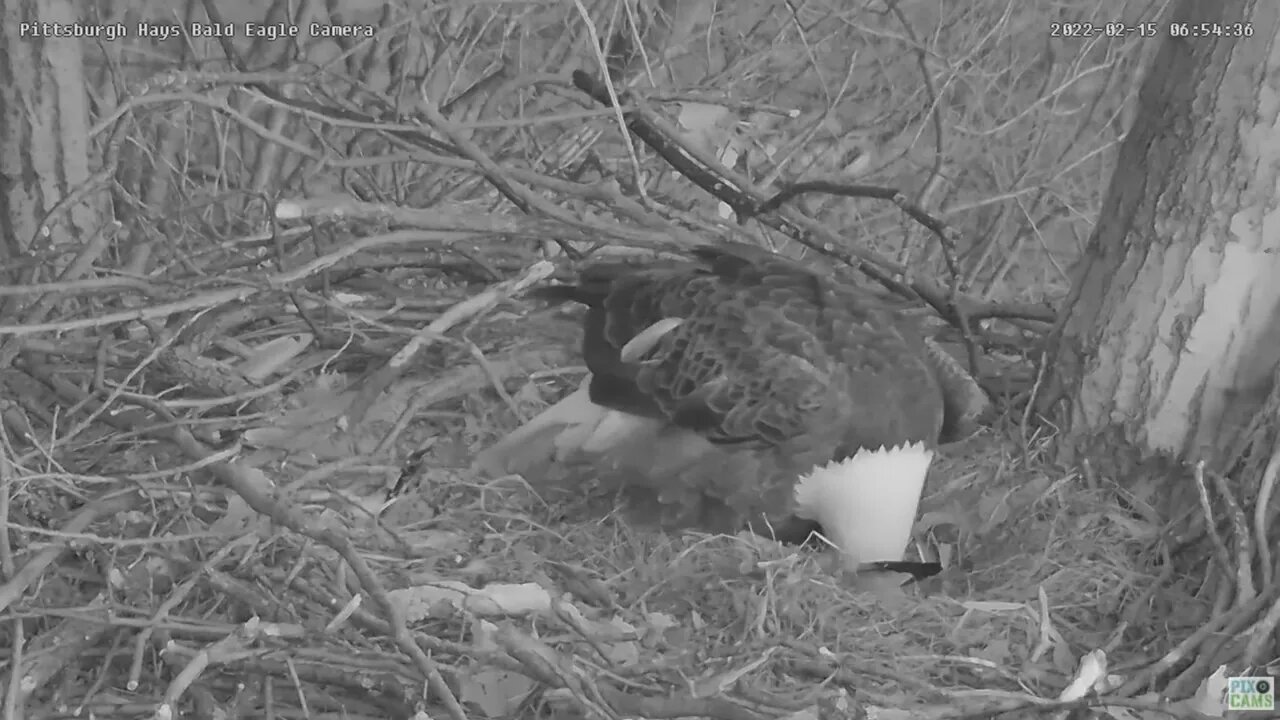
pixel 1171 335
pixel 44 128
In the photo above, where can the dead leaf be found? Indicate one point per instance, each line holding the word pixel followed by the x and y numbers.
pixel 1211 697
pixel 705 125
pixel 1091 671
pixel 497 693
pixel 238 516
pixel 494 600
pixel 270 357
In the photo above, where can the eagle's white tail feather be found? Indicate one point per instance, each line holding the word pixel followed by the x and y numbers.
pixel 867 504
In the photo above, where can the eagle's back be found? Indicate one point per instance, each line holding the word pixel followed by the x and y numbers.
pixel 773 369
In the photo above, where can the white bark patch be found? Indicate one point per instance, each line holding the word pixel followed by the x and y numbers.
pixel 1239 307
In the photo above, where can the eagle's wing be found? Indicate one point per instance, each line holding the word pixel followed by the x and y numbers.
pixel 726 378
pixel 740 386
pixel 755 349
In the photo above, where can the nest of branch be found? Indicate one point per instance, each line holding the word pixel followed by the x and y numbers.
pixel 313 299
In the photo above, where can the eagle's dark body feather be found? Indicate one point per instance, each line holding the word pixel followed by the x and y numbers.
pixel 772 371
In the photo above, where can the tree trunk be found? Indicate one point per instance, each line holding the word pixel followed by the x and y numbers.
pixel 44 131
pixel 1171 335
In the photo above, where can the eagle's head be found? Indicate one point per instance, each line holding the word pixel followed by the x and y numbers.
pixel 867 503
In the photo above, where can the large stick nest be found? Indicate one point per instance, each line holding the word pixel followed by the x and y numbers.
pixel 314 296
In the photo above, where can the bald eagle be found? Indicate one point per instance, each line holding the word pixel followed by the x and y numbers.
pixel 739 388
